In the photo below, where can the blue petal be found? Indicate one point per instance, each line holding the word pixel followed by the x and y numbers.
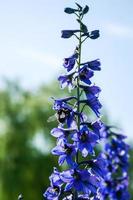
pixel 66 176
pixel 68 186
pixel 61 159
pixel 58 150
pixel 57 132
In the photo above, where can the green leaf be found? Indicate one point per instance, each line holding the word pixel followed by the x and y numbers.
pixel 83 26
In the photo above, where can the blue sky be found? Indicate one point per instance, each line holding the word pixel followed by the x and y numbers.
pixel 31 48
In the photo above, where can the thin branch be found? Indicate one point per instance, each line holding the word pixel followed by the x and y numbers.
pixel 76 36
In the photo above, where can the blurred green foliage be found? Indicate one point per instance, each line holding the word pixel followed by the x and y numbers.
pixel 25 165
pixel 25 141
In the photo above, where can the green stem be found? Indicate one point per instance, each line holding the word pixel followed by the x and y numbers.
pixel 78 83
pixel 85 39
pixel 78 97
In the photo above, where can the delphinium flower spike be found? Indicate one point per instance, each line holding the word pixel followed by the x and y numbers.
pixel 77 136
pixel 115 186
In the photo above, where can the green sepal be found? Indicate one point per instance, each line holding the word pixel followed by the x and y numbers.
pixel 83 26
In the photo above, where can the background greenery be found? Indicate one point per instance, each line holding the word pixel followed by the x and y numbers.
pixel 25 141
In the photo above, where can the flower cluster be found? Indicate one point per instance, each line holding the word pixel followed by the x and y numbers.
pixel 115 186
pixel 76 135
pixel 88 175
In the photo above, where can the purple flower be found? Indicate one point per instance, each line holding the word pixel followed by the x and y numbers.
pixel 116 189
pixel 58 132
pixel 70 10
pixel 93 65
pixel 81 180
pixel 93 103
pixel 99 128
pixel 66 80
pixel 111 131
pixel 65 113
pixel 94 34
pixel 53 192
pixel 62 134
pixel 55 178
pixel 88 176
pixel 85 74
pixel 68 33
pixel 99 166
pixel 92 98
pixel 116 181
pixel 120 190
pixel 65 152
pixel 118 153
pixel 59 103
pixel 91 91
pixel 70 62
pixel 86 140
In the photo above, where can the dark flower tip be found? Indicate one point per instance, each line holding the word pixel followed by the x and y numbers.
pixel 85 10
pixel 68 33
pixel 94 34
pixel 70 10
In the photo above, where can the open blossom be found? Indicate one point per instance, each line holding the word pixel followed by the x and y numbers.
pixel 85 74
pixel 98 165
pixel 92 100
pixel 70 62
pixel 93 65
pixel 91 91
pixel 93 103
pixel 66 81
pixel 87 71
pixel 86 141
pixel 59 103
pixel 65 113
pixel 53 192
pixel 81 180
pixel 99 128
pixel 59 132
pixel 62 134
pixel 66 152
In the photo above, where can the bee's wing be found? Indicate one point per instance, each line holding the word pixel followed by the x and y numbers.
pixel 51 118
